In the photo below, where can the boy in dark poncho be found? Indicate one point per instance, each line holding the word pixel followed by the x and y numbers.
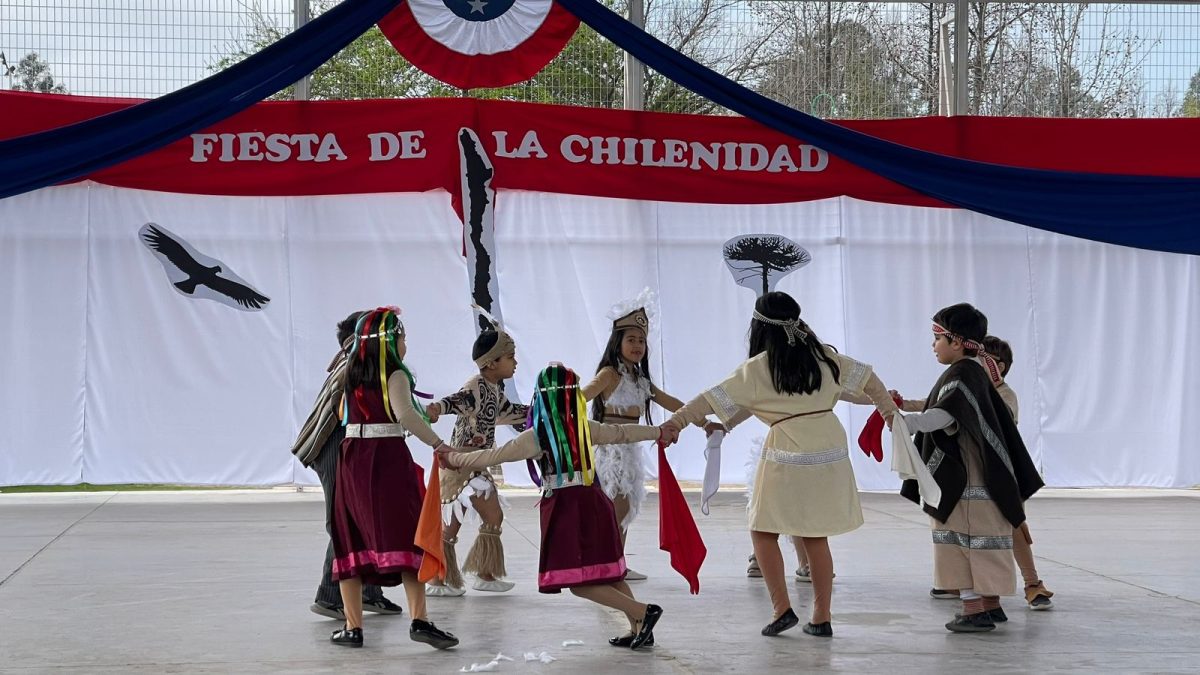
pixel 972 448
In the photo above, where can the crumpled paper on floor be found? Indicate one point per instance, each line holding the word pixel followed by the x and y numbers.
pixel 488 667
pixel 544 657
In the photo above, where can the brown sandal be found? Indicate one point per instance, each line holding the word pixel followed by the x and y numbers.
pixel 1037 596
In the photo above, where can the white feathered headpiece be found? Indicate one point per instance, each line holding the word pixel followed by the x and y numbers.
pixel 637 312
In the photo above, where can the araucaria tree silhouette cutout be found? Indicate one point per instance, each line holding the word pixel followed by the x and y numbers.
pixel 764 255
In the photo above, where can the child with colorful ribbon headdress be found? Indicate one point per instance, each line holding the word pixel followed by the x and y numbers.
pixel 971 446
pixel 318 447
pixel 621 393
pixel 481 406
pixel 581 541
pixel 378 497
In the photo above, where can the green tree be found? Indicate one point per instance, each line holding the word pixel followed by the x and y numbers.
pixel 827 59
pixel 369 67
pixel 1191 99
pixel 30 74
pixel 590 71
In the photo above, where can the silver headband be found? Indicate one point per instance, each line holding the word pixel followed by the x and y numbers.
pixel 790 326
pixel 398 328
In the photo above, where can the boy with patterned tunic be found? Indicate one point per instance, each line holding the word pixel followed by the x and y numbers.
pixel 480 407
pixel 971 446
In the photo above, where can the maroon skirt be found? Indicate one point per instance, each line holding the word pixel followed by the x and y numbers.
pixel 581 541
pixel 376 505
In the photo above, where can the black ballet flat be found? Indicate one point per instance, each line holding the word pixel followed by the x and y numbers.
pixel 819 629
pixel 347 637
pixel 627 640
pixel 786 621
pixel 425 631
pixel 646 632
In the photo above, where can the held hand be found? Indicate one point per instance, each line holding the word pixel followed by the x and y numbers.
pixel 668 433
pixel 442 452
pixel 713 427
pixel 888 420
pixel 433 411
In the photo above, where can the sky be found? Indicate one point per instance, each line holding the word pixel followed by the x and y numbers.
pixel 146 48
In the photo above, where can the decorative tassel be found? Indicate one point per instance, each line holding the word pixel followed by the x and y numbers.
pixel 454 577
pixel 486 557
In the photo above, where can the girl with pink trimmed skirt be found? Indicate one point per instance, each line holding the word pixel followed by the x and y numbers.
pixel 377 501
pixel 581 541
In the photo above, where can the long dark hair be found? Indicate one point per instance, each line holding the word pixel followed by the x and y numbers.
pixel 795 369
pixel 612 359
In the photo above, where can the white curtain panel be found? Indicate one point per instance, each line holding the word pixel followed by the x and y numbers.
pixel 114 376
pixel 184 390
pixel 43 296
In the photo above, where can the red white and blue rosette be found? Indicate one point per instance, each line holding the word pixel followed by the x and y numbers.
pixel 479 43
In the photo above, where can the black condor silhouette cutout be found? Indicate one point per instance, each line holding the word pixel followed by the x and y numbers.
pixel 196 275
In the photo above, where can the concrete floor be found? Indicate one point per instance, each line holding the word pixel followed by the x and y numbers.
pixel 221 582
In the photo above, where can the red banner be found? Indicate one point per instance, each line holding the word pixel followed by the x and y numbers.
pixel 346 147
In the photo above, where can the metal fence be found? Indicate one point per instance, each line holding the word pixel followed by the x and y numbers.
pixel 830 58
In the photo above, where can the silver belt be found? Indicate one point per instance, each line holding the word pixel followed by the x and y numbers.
pixel 391 430
pixel 549 485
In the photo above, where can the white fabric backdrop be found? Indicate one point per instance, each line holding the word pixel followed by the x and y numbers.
pixel 112 376
pixel 43 294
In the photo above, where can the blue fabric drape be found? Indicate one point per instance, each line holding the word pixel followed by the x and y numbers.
pixel 1150 212
pixel 58 155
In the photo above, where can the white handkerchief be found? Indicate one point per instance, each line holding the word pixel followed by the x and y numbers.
pixel 906 462
pixel 712 469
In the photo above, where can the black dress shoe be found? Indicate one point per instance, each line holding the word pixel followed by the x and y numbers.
pixel 646 632
pixel 998 615
pixel 785 621
pixel 627 640
pixel 425 631
pixel 347 637
pixel 819 629
pixel 972 623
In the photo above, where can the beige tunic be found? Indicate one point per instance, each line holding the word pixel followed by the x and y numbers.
pixel 1009 397
pixel 400 397
pixel 973 548
pixel 804 483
